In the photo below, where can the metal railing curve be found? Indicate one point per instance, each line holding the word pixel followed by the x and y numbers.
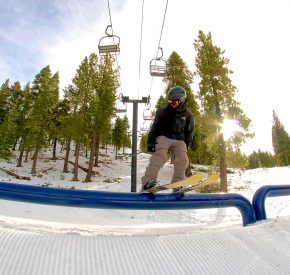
pixel 119 200
pixel 267 191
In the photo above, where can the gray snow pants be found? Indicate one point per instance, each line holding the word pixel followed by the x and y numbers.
pixel 179 153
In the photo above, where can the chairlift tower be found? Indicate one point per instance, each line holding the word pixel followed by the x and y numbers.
pixel 135 102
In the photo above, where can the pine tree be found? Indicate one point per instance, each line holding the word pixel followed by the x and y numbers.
pixel 10 126
pixel 8 130
pixel 4 98
pixel 106 138
pixel 117 135
pixel 235 158
pixel 126 137
pixel 105 87
pixel 178 74
pixel 58 115
pixel 280 141
pixel 83 97
pixel 261 159
pixel 216 93
pixel 25 108
pixel 17 97
pixel 120 135
pixel 46 92
pixel 143 142
pixel 69 123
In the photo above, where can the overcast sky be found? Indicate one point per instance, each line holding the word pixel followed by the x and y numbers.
pixel 254 35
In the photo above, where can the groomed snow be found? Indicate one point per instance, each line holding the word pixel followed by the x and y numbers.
pixel 40 239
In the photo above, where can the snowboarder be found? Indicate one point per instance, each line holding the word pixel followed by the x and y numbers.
pixel 172 130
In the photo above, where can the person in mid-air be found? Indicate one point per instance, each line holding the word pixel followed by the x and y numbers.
pixel 172 129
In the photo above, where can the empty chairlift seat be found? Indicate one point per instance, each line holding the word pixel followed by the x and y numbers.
pixel 147 114
pixel 121 107
pixel 158 65
pixel 109 44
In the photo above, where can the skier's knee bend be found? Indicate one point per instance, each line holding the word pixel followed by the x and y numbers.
pixel 181 161
pixel 161 155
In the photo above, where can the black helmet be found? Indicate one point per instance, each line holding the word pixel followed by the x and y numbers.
pixel 177 93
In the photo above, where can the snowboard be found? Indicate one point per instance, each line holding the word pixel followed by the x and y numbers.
pixel 194 179
pixel 213 178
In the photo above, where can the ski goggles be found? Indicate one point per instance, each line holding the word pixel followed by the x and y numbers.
pixel 173 103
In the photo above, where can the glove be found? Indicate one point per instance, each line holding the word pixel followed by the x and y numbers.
pixel 150 147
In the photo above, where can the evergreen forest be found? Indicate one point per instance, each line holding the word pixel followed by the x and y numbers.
pixel 83 116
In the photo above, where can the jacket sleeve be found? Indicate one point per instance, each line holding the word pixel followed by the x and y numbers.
pixel 189 131
pixel 154 129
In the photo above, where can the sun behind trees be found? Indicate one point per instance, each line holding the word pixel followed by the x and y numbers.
pixel 211 103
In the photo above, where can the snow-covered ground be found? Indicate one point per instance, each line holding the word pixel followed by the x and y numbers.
pixel 114 175
pixel 212 231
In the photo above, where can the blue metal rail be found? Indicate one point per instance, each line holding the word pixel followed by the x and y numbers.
pixel 267 191
pixel 117 200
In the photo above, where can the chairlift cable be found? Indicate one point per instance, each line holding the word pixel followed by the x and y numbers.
pixel 108 2
pixel 109 9
pixel 159 43
pixel 140 47
pixel 162 27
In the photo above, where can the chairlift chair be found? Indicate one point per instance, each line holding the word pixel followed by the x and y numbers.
pixel 158 66
pixel 143 127
pixel 109 43
pixel 147 114
pixel 121 107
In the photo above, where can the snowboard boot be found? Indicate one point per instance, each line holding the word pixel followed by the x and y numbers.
pixel 177 190
pixel 148 185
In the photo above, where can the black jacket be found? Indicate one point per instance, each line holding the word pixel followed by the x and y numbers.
pixel 173 123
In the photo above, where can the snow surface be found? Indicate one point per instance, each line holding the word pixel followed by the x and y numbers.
pixel 108 241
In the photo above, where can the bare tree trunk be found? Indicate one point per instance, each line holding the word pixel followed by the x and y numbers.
pixel 91 161
pixel 61 148
pixel 15 175
pixel 67 151
pixel 222 152
pixel 35 156
pixel 15 143
pixel 77 154
pixel 96 150
pixel 81 167
pixel 223 165
pixel 54 149
pixel 26 155
pixel 116 154
pixel 19 161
